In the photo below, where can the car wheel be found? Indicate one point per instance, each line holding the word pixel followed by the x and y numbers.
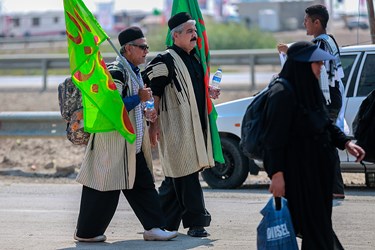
pixel 233 172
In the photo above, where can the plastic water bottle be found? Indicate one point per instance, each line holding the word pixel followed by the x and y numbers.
pixel 149 108
pixel 216 79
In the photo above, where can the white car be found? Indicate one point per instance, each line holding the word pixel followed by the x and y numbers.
pixel 359 67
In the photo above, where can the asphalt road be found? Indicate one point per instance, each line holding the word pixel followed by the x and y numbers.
pixel 43 216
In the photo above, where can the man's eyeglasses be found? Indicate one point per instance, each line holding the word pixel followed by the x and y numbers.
pixel 141 46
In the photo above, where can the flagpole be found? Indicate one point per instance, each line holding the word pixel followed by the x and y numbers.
pixel 125 63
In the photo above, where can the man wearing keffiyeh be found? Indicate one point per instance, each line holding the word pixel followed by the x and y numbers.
pixel 315 22
pixel 112 166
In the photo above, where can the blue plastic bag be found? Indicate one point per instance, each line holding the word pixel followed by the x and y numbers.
pixel 275 231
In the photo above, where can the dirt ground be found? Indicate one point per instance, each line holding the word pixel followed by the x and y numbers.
pixel 30 156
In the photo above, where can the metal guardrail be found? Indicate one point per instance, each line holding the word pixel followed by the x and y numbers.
pixel 218 57
pixel 32 124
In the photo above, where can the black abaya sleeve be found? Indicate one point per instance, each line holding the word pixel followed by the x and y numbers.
pixel 337 136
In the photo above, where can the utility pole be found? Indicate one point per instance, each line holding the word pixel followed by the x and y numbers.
pixel 330 23
pixel 371 19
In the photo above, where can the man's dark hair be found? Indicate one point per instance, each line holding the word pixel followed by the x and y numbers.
pixel 318 12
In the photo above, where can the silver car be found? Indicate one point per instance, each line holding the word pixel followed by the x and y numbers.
pixel 357 23
pixel 359 67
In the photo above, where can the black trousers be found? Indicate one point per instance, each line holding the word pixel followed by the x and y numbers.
pixel 338 182
pixel 182 199
pixel 97 208
pixel 333 112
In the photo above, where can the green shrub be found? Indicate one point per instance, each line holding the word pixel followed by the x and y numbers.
pixel 237 36
pixel 220 36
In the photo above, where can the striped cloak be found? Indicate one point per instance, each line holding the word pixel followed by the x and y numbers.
pixel 183 147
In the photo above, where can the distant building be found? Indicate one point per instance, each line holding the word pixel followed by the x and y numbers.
pixel 220 10
pixel 273 15
pixel 32 23
pixel 52 23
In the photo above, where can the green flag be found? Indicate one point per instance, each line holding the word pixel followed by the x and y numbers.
pixel 192 7
pixel 104 109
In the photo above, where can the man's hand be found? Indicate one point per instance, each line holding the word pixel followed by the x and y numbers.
pixel 213 92
pixel 153 115
pixel 282 47
pixel 144 94
pixel 154 132
pixel 277 186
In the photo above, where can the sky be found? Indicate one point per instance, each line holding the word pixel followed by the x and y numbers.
pixel 9 6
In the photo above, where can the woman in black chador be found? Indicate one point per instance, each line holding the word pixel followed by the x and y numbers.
pixel 300 143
